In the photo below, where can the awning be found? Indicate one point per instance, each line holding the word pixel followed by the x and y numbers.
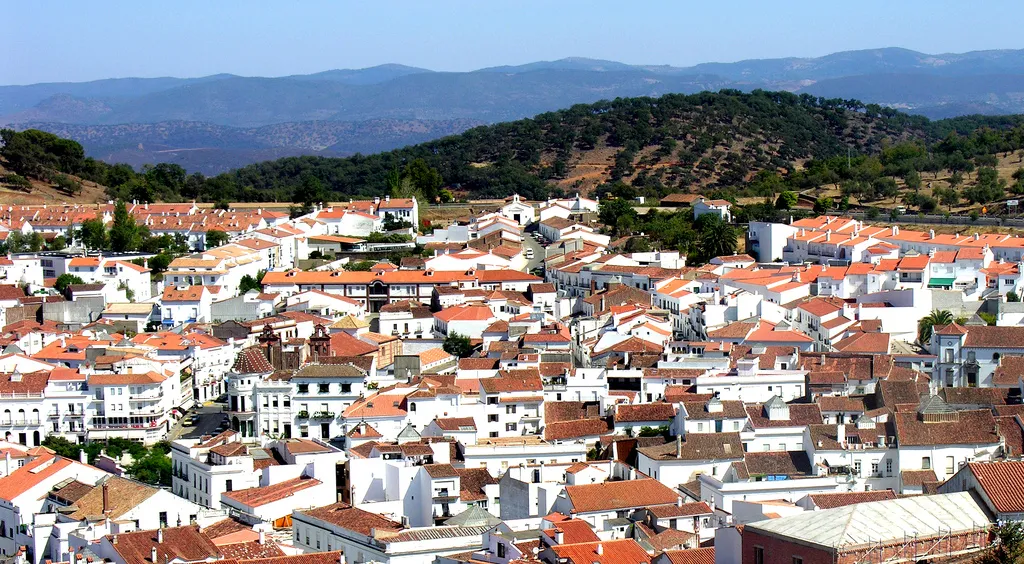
pixel 941 282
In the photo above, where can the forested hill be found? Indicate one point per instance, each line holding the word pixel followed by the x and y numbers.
pixel 728 143
pixel 655 145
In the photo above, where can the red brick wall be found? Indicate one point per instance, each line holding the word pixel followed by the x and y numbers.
pixel 955 544
pixel 779 551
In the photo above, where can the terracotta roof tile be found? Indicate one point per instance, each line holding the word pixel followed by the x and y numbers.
pixel 184 543
pixel 1002 482
pixel 841 499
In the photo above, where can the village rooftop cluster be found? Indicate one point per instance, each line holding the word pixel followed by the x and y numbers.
pixel 778 406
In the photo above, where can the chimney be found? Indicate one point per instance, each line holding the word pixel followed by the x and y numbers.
pixel 83 456
pixel 841 434
pixel 114 540
pixel 600 549
pixel 152 555
pixel 106 498
pixel 931 233
pixel 559 536
pixel 679 446
pixel 679 501
pixel 160 535
pixel 263 537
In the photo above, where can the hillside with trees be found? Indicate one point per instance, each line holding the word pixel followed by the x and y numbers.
pixel 728 144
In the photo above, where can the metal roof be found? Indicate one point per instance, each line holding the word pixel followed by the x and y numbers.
pixel 871 522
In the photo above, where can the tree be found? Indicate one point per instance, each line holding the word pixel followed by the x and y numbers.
pixel 1012 296
pixel 928 322
pixel 948 196
pixel 20 243
pixel 391 223
pixel 62 447
pixel 912 179
pixel 216 238
pixel 457 345
pixel 65 280
pixel 309 192
pixel 59 243
pixel 425 179
pixel 93 233
pixel 154 467
pixel 956 179
pixel 612 211
pixel 823 205
pixel 66 184
pixel 1009 548
pixel 248 283
pixel 786 201
pixel 716 238
pixel 125 234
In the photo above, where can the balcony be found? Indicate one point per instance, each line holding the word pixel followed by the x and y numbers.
pixel 323 415
pixel 19 422
pixel 303 414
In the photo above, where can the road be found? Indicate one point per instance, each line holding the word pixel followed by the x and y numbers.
pixel 210 417
pixel 538 252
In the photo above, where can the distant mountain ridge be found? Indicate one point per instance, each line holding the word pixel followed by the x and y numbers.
pixel 205 112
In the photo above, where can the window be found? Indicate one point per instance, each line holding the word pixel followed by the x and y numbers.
pixel 926 463
pixel 782 446
pixel 947 355
pixel 856 468
pixel 346 388
pixel 510 409
pixel 758 555
pixel 700 427
pixel 950 465
pixel 492 418
pixel 888 467
pixel 874 468
pixel 735 425
pixel 492 400
pixel 163 518
pixel 510 426
pixel 798 560
pixel 303 388
pixel 494 435
pixel 501 550
pixel 324 388
pixel 412 407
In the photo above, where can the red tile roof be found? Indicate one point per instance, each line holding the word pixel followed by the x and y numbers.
pixel 626 494
pixel 574 531
pixel 691 556
pixel 184 543
pixel 31 474
pixel 611 552
pixel 262 495
pixel 833 500
pixel 347 517
pixel 1002 482
pixel 644 412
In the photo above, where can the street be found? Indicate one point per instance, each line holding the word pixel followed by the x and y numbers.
pixel 209 419
pixel 538 251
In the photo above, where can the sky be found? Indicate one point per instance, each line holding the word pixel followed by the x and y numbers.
pixel 73 40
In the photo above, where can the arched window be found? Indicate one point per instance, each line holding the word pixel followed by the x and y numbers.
pixel 995 357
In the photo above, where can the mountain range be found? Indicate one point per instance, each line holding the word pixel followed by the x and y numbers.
pixel 214 123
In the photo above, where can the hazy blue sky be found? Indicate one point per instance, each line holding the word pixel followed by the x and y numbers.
pixel 90 39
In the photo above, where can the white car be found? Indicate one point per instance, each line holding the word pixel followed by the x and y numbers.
pixel 529 254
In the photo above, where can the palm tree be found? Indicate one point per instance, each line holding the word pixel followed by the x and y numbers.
pixel 936 317
pixel 717 238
